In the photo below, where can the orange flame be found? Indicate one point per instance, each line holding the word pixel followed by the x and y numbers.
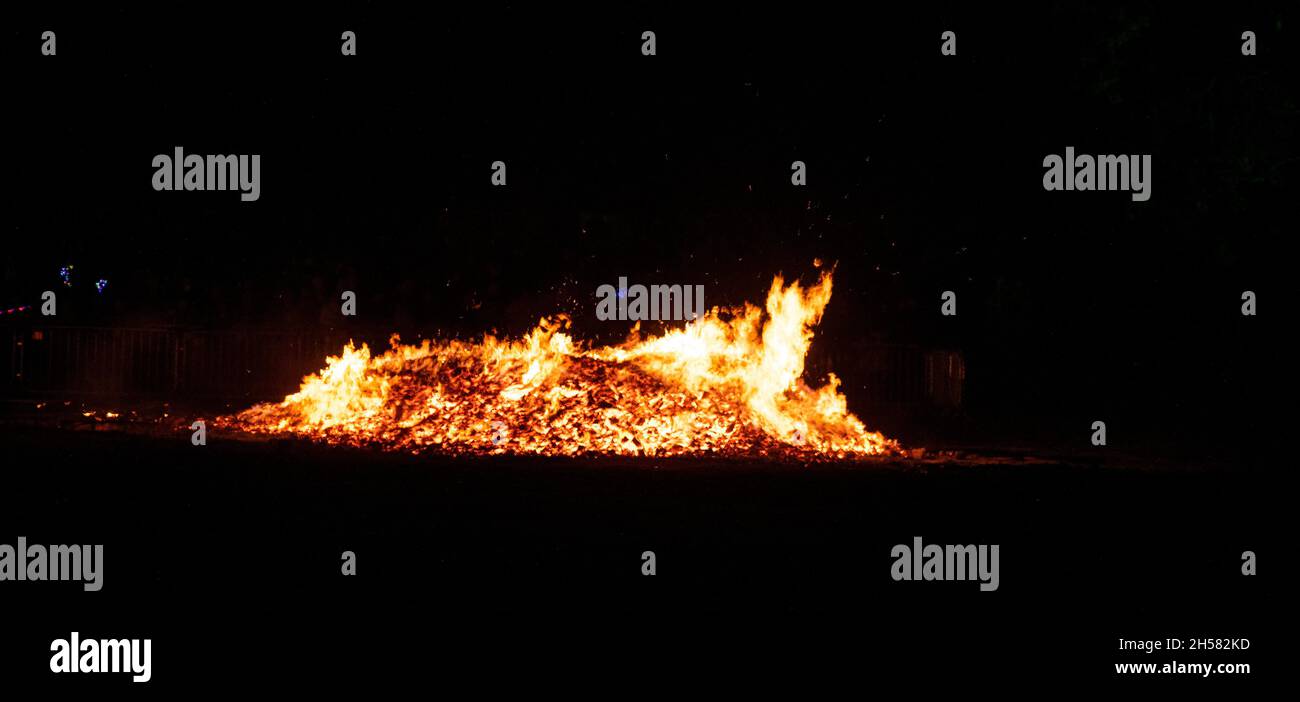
pixel 728 383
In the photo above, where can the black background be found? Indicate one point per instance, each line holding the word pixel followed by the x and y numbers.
pixel 924 175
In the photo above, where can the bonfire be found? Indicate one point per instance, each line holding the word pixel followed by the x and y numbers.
pixel 729 383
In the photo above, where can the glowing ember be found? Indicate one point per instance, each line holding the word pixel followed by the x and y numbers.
pixel 728 384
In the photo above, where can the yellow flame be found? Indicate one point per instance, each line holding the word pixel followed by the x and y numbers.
pixel 728 383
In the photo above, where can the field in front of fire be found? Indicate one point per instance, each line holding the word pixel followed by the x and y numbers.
pixel 766 563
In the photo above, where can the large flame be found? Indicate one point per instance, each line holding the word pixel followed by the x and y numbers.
pixel 728 383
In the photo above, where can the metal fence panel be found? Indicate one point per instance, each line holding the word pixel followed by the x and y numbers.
pixel 240 365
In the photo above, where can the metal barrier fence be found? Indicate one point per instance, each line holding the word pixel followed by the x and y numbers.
pixel 895 376
pixel 87 362
pixel 159 363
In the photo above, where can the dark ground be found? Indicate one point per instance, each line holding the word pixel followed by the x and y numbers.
pixel 473 569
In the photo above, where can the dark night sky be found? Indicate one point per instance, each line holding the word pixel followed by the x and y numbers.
pixel 924 175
